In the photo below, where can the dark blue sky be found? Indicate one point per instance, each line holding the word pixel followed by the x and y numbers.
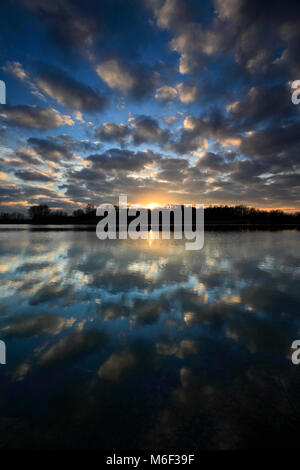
pixel 163 100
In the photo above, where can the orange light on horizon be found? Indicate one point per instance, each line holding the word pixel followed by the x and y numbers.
pixel 152 205
pixel 15 203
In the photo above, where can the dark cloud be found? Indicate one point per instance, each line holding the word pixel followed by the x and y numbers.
pixel 115 159
pixel 33 176
pixel 274 140
pixel 249 31
pixel 111 132
pixel 147 129
pixel 34 117
pixel 96 30
pixel 215 162
pixel 49 149
pixel 142 129
pixel 263 105
pixel 69 92
pixel 25 156
pixel 71 145
pixel 173 164
pixel 68 24
pixel 136 80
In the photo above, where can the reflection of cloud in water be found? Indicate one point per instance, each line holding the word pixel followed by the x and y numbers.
pixel 166 348
pixel 72 347
pixel 116 365
pixel 51 292
pixel 184 348
pixel 31 325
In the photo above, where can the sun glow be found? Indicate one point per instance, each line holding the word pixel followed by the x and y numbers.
pixel 152 205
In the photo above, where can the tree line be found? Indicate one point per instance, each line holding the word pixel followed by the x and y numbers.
pixel 239 214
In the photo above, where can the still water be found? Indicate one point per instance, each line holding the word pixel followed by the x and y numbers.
pixel 142 344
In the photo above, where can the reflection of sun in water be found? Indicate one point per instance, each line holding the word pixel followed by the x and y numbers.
pixel 150 237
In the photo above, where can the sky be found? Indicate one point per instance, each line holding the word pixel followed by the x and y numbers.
pixel 166 101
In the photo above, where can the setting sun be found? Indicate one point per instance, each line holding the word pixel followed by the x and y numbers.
pixel 152 205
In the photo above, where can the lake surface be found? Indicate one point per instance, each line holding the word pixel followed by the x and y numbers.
pixel 142 344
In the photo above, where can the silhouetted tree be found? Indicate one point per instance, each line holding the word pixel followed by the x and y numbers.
pixel 90 210
pixel 78 213
pixel 59 214
pixel 39 212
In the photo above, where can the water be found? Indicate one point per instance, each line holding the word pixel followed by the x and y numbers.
pixel 141 344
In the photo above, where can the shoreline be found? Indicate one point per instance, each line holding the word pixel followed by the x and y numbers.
pixel 90 226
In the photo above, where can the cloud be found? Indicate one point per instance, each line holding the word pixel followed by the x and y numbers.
pixel 27 156
pixel 34 117
pixel 143 129
pixel 147 129
pixel 173 163
pixel 166 93
pixel 171 119
pixel 115 159
pixel 16 69
pixel 185 93
pixel 134 80
pixel 69 92
pixel 196 130
pixel 263 105
pixel 68 24
pixel 33 176
pixel 110 132
pixel 170 13
pixel 18 196
pixel 282 141
pixel 50 149
pixel 189 38
pixel 236 28
pixel 216 162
